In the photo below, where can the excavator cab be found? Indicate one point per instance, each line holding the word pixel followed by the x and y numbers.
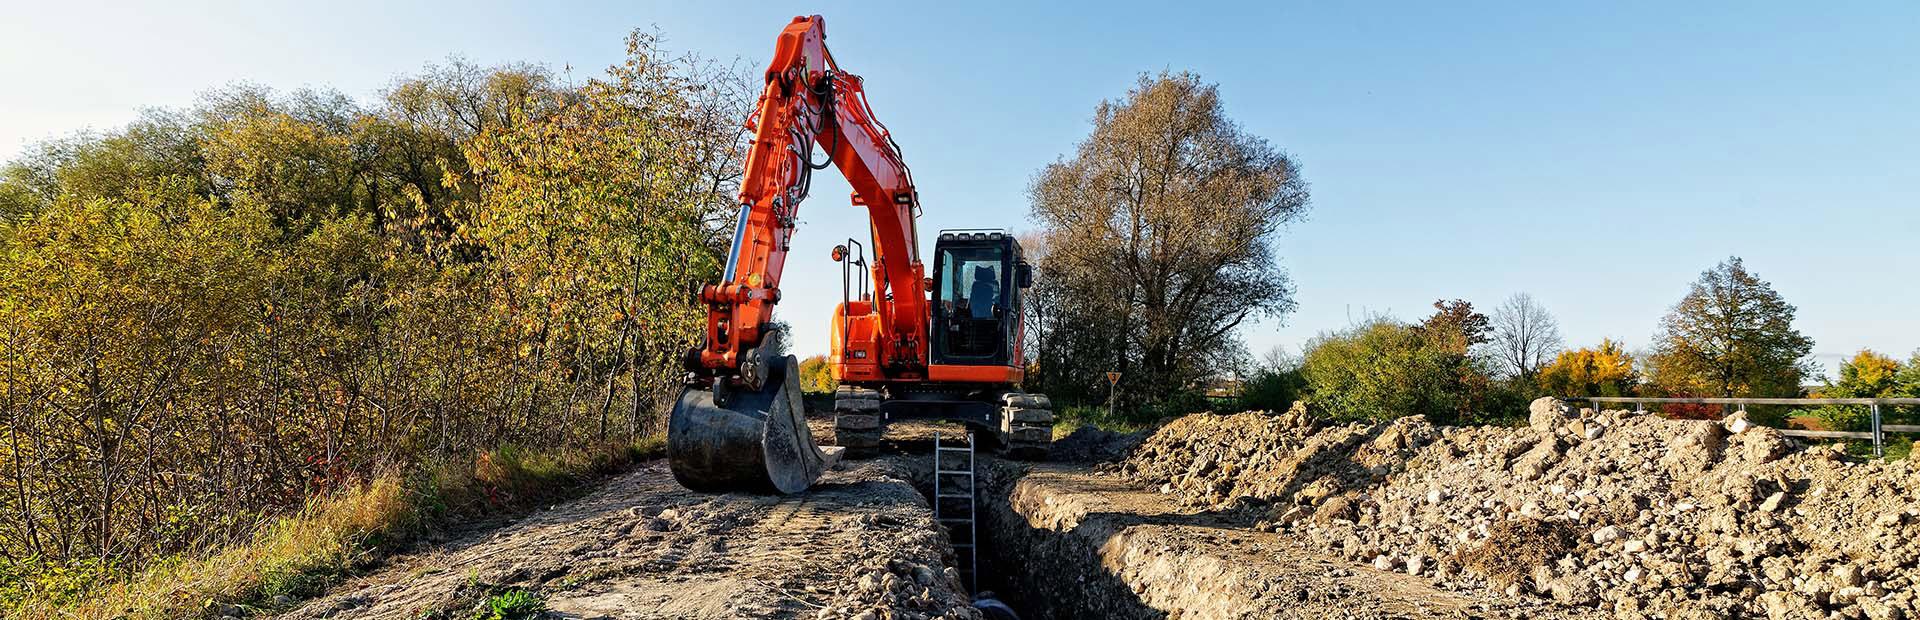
pixel 979 277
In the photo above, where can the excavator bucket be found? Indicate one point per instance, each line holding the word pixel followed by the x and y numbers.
pixel 756 442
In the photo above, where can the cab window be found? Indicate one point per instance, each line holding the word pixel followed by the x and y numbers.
pixel 974 286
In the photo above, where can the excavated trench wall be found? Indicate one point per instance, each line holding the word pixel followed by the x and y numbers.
pixel 1051 558
pixel 1069 543
pixel 1066 541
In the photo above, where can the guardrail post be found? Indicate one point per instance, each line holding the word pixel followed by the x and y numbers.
pixel 1879 449
pixel 1639 408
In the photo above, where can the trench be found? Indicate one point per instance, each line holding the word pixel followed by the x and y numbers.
pixel 1039 567
pixel 1060 540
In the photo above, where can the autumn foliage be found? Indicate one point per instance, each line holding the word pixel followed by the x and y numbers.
pixel 1606 370
pixel 212 315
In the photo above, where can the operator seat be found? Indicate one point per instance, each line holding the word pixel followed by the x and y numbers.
pixel 985 294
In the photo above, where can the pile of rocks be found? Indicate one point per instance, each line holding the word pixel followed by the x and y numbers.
pixel 1643 516
pixel 899 589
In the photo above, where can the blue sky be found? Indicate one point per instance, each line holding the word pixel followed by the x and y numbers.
pixel 1596 156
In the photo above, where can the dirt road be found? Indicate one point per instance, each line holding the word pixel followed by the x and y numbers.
pixel 861 544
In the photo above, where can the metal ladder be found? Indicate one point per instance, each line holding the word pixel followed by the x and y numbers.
pixel 950 487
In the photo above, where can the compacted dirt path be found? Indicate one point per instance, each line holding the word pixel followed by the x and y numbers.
pixel 859 545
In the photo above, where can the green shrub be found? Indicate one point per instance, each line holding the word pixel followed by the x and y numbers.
pixel 511 605
pixel 1271 390
pixel 34 579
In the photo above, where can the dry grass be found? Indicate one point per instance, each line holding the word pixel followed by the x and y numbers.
pixel 299 555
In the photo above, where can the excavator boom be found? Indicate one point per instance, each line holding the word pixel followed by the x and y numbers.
pixel 809 101
pixel 739 424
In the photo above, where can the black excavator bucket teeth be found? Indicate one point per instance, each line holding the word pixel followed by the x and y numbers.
pixel 756 443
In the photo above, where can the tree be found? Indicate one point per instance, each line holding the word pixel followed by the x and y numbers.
pixel 1866 375
pixel 1589 371
pixel 1731 336
pixel 1160 232
pixel 1385 369
pixel 1525 337
pixel 1907 381
pixel 211 315
pixel 1455 327
pixel 816 375
pixel 1274 383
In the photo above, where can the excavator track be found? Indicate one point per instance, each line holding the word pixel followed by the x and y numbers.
pixel 1026 426
pixel 753 441
pixel 856 421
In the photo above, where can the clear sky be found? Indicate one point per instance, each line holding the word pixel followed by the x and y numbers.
pixel 1598 157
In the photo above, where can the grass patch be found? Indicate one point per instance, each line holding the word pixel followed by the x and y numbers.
pixel 1897 447
pixel 511 605
pixel 1067 419
pixel 300 555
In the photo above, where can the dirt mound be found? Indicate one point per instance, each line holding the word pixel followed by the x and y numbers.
pixel 1673 518
pixel 1089 444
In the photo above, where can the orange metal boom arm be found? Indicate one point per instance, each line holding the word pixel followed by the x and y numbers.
pixel 809 101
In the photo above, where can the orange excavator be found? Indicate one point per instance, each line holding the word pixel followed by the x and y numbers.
pixel 905 345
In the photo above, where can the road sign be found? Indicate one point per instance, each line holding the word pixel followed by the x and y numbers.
pixel 1113 378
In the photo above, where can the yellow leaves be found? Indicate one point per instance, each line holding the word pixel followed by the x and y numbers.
pixel 1606 370
pixel 1867 375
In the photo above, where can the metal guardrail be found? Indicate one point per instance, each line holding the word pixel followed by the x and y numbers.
pixel 1878 434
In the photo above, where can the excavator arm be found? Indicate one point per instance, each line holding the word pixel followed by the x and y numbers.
pixel 809 101
pixel 739 425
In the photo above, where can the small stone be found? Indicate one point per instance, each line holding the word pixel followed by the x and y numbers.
pixel 1772 503
pixel 1383 562
pixel 1846 575
pixel 1737 423
pixel 1606 535
pixel 1434 496
pixel 1633 575
pixel 1876 609
pixel 1634 546
pixel 1546 413
pixel 1416 565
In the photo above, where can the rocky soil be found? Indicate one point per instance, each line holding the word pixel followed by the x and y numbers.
pixel 1634 515
pixel 1255 515
pixel 861 544
pixel 1089 545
